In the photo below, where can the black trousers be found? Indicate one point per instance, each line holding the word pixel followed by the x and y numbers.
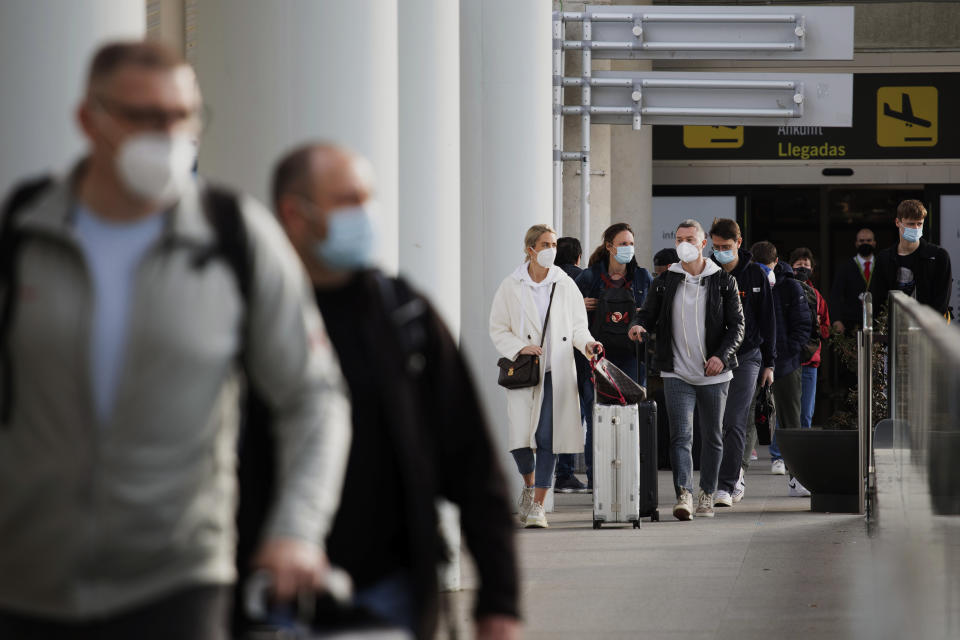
pixel 196 613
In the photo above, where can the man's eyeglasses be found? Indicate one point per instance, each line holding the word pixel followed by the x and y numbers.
pixel 157 119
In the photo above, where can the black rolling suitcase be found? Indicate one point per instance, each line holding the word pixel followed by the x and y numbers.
pixel 649 491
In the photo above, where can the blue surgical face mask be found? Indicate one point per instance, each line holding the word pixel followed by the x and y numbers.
pixel 351 240
pixel 725 257
pixel 624 254
pixel 912 235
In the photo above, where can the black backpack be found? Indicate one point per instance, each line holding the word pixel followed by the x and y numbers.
pixel 813 343
pixel 616 309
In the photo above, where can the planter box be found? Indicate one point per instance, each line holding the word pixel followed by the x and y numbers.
pixel 825 461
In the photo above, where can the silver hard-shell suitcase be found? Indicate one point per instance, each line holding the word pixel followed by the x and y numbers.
pixel 616 464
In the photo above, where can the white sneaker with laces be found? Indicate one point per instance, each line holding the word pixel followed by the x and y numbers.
pixel 722 499
pixel 524 504
pixel 536 518
pixel 778 468
pixel 739 489
pixel 705 505
pixel 753 455
pixel 683 510
pixel 797 490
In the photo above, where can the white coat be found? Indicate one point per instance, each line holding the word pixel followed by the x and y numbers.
pixel 514 324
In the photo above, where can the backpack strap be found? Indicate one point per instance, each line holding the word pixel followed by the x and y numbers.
pixel 222 208
pixel 15 205
pixel 406 311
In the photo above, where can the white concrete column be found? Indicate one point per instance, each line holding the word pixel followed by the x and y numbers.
pixel 277 74
pixel 45 51
pixel 429 39
pixel 506 125
pixel 430 151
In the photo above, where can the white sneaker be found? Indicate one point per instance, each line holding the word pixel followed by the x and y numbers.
pixel 797 490
pixel 753 455
pixel 536 518
pixel 778 468
pixel 683 510
pixel 739 489
pixel 524 504
pixel 705 505
pixel 722 499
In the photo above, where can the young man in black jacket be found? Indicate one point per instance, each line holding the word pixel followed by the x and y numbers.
pixel 694 308
pixel 914 266
pixel 853 279
pixel 793 331
pixel 419 428
pixel 755 359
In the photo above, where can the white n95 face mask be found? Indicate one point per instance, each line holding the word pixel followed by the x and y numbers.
pixel 156 166
pixel 687 252
pixel 546 257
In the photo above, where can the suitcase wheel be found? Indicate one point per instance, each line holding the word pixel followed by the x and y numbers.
pixel 656 516
pixel 597 524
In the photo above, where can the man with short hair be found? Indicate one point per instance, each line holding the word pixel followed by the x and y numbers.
pixel 122 375
pixel 914 266
pixel 803 263
pixel 793 329
pixel 419 430
pixel 569 253
pixel 696 355
pixel 756 356
pixel 663 259
pixel 851 281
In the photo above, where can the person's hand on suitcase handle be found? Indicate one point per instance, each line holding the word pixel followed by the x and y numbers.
pixel 293 566
pixel 498 628
pixel 637 333
pixel 594 349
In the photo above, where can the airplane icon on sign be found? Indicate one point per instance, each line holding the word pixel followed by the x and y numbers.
pixel 906 113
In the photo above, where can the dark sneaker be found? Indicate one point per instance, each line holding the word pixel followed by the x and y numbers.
pixel 568 484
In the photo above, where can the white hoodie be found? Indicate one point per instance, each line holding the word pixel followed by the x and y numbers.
pixel 689 329
pixel 540 292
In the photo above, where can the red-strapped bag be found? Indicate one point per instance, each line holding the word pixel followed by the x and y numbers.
pixel 612 385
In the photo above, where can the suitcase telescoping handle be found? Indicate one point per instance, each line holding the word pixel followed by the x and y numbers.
pixel 258 605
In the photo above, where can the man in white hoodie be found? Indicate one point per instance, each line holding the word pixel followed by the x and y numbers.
pixel 694 309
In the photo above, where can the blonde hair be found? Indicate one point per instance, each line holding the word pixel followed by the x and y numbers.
pixel 533 234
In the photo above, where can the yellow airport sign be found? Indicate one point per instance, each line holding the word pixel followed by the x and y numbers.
pixel 701 137
pixel 907 116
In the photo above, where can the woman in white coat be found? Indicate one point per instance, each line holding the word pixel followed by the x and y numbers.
pixel 544 420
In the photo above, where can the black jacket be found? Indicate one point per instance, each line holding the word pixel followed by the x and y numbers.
pixel 571 270
pixel 760 318
pixel 793 320
pixel 848 284
pixel 428 424
pixel 725 323
pixel 934 276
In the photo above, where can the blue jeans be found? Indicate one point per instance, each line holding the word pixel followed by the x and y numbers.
pixel 710 401
pixel 736 418
pixel 391 600
pixel 541 464
pixel 808 396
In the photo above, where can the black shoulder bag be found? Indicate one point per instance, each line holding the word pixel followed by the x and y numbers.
pixel 524 370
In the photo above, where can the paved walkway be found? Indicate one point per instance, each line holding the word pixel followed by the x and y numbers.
pixel 766 569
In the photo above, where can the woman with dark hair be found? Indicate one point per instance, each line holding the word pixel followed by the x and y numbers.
pixel 614 286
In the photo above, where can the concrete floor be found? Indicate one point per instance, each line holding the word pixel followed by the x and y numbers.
pixel 767 568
